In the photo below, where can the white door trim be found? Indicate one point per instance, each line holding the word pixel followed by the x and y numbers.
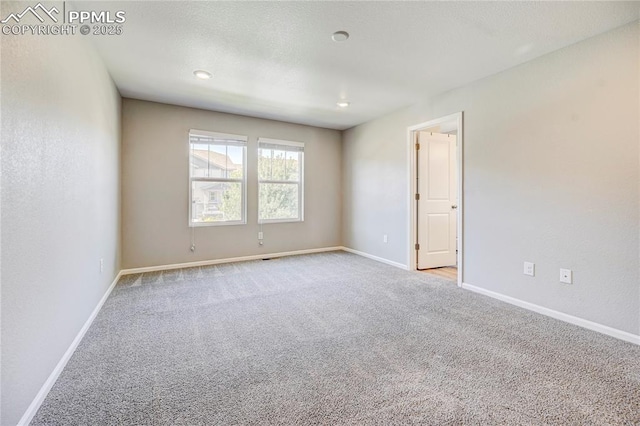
pixel 411 227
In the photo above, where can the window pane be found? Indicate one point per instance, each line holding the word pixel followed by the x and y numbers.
pixel 278 165
pixel 274 164
pixel 264 164
pixel 278 201
pixel 216 201
pixel 293 166
pixel 216 161
pixel 235 160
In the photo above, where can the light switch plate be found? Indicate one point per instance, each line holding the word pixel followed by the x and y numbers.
pixel 530 269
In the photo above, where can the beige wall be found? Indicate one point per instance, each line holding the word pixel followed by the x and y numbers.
pixel 551 164
pixel 155 187
pixel 60 203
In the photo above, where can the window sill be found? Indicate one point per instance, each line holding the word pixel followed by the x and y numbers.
pixel 280 221
pixel 206 224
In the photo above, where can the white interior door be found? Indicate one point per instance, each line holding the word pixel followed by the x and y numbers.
pixel 437 200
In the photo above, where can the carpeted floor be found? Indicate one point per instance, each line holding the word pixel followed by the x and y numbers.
pixel 334 338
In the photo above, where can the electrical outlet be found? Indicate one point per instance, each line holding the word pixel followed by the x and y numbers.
pixel 566 276
pixel 529 269
pixel 260 235
pixel 101 265
pixel 384 238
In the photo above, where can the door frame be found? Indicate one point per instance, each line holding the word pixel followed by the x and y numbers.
pixel 412 132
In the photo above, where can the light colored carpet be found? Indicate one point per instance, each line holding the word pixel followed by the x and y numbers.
pixel 334 338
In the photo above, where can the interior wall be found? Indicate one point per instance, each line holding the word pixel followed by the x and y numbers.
pixel 156 188
pixel 60 203
pixel 551 176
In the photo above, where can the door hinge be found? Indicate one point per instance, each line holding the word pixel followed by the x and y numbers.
pixel 417 147
pixel 417 197
pixel 417 246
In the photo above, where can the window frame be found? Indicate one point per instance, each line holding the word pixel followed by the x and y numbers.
pixel 300 182
pixel 239 140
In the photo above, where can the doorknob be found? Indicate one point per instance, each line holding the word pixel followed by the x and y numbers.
pixel 453 207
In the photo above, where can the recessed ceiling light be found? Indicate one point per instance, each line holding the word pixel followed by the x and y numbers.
pixel 343 104
pixel 340 36
pixel 205 75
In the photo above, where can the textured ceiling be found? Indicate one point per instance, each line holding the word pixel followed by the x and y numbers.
pixel 277 60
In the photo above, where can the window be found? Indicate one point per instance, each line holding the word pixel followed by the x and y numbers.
pixel 217 178
pixel 280 180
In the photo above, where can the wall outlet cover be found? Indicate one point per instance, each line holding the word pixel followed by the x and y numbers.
pixel 529 269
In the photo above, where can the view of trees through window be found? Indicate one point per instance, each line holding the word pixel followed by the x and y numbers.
pixel 279 192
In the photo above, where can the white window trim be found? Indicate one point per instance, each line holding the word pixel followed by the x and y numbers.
pixel 243 181
pixel 300 182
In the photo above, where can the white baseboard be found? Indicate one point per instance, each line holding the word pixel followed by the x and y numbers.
pixel 379 259
pixel 227 260
pixel 48 384
pixel 594 326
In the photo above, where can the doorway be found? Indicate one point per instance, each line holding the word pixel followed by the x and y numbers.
pixel 435 188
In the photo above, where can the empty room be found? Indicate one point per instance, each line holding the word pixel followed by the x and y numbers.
pixel 327 212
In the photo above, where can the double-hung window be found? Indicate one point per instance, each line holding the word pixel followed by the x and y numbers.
pixel 217 178
pixel 280 181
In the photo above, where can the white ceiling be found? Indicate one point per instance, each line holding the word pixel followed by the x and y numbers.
pixel 277 60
